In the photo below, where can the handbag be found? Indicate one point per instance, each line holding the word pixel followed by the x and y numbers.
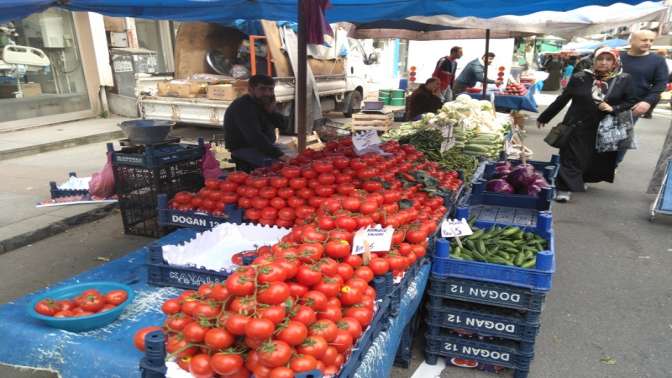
pixel 559 135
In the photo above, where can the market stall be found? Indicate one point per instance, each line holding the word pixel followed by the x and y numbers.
pixel 359 218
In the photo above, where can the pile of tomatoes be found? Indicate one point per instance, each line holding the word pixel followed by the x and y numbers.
pixel 290 194
pixel 305 301
pixel 87 303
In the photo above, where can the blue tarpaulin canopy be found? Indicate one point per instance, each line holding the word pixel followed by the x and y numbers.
pixel 286 10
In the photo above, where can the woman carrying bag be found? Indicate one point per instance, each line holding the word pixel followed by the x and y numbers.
pixel 594 94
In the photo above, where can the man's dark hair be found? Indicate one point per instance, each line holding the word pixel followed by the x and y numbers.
pixel 260 79
pixel 489 55
pixel 431 80
pixel 455 49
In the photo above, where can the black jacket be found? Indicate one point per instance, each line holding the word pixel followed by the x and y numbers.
pixel 248 125
pixel 583 109
pixel 422 101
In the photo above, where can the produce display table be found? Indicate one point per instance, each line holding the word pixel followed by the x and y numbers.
pixel 109 351
pixel 511 102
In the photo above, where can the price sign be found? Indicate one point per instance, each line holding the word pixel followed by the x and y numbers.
pixel 451 228
pixel 365 140
pixel 377 239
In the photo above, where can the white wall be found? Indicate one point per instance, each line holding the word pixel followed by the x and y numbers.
pixel 425 54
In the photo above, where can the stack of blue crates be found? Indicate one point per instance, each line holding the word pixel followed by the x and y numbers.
pixel 488 315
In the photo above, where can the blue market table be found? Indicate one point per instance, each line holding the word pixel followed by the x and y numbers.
pixel 511 102
pixel 109 352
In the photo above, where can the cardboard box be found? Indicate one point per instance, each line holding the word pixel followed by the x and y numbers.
pixel 182 88
pixel 115 24
pixel 28 89
pixel 222 92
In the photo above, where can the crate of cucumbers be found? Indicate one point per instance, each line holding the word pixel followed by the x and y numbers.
pixel 498 253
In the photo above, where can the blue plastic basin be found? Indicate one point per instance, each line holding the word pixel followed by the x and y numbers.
pixel 83 323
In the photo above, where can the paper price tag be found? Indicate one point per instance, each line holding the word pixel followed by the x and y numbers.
pixel 451 228
pixel 379 239
pixel 365 139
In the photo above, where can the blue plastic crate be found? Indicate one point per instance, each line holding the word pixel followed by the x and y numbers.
pixel 154 156
pixel 59 193
pixel 549 169
pixel 193 219
pixel 405 351
pixel 542 201
pixel 502 353
pixel 159 273
pixel 471 291
pixel 540 278
pixel 504 215
pixel 485 320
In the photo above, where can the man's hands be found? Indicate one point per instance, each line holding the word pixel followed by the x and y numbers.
pixel 540 125
pixel 603 106
pixel 640 108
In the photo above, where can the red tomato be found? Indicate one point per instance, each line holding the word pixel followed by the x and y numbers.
pixel 275 293
pixel 199 366
pixel 219 338
pixel 345 271
pixel 64 314
pixel 311 252
pixel 194 332
pixel 362 314
pixel 297 290
pixel 316 300
pixel 240 285
pixel 177 322
pixel 308 275
pixel 351 325
pixel 329 286
pixel 279 182
pixel 285 193
pixel 343 341
pixel 354 261
pixel 338 249
pixel 274 353
pixel 206 310
pixel 47 307
pixel 294 333
pixel 236 324
pixel 350 295
pixel 139 338
pixel 226 364
pixel 278 203
pixel 304 363
pixel 260 329
pixel 91 302
pixel 290 172
pixel 314 346
pixel 305 315
pixel 332 312
pixel 271 273
pixel 282 372
pixel 365 273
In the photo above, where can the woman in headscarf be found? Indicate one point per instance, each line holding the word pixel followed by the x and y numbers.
pixel 594 94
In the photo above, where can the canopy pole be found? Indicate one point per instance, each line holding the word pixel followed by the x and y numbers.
pixel 485 62
pixel 301 77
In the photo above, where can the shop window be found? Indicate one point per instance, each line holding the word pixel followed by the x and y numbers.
pixel 52 85
pixel 149 37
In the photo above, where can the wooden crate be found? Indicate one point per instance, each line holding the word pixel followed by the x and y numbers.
pixel 372 121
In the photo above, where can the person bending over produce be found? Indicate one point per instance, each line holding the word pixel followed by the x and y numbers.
pixel 249 126
pixel 472 74
pixel 594 94
pixel 425 99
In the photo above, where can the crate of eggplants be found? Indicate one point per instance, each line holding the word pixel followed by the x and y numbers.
pixel 520 179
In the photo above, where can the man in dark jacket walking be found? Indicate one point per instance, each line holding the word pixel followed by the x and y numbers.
pixel 649 74
pixel 249 126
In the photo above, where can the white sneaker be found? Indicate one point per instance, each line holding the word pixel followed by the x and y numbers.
pixel 563 196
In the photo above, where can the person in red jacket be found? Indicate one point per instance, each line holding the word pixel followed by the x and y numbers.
pixel 445 72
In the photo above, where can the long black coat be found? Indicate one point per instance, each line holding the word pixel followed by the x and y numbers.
pixel 579 162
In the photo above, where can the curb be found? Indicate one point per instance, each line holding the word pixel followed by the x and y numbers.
pixel 24 239
pixel 59 145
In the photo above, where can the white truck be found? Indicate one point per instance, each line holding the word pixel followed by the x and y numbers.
pixel 338 91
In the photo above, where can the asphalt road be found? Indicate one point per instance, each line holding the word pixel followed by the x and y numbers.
pixel 611 297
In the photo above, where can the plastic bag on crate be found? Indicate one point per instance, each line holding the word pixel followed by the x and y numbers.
pixel 102 183
pixel 210 165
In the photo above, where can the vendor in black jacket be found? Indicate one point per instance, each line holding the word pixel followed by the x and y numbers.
pixel 249 126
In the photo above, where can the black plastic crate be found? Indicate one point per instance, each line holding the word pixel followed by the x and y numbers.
pixel 485 320
pixel 137 188
pixel 158 155
pixel 498 295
